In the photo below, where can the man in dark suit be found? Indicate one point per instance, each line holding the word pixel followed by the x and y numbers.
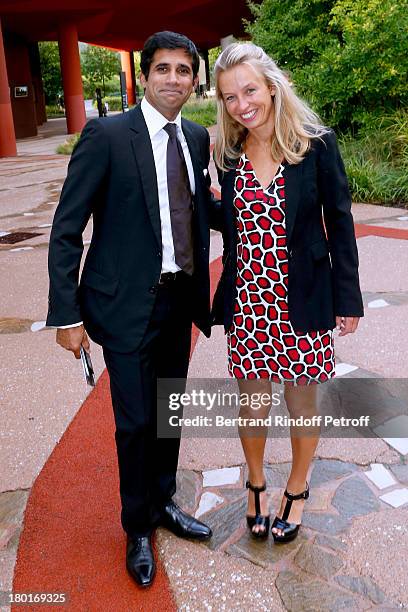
pixel 144 177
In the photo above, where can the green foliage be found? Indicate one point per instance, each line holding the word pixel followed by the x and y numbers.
pixel 114 103
pixel 293 32
pixel 53 110
pixel 347 57
pixel 349 60
pixel 203 112
pixel 112 87
pixel 136 59
pixel 212 58
pixel 377 160
pixel 51 71
pixel 69 145
pixel 99 65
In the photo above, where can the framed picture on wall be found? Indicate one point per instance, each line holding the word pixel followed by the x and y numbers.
pixel 21 91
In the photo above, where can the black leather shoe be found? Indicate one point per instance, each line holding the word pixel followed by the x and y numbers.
pixel 140 560
pixel 182 524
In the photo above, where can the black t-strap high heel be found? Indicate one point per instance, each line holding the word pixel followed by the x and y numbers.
pixel 258 519
pixel 290 530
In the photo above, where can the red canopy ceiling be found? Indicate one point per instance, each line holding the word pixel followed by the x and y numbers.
pixel 125 24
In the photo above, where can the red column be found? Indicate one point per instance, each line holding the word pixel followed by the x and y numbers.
pixel 128 66
pixel 7 135
pixel 71 78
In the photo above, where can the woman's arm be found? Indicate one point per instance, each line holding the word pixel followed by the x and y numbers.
pixel 336 203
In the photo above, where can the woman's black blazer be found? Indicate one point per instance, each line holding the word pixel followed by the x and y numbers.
pixel 323 277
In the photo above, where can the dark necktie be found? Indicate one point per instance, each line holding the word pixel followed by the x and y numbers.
pixel 180 201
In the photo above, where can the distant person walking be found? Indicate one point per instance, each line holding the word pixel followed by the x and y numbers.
pixel 99 103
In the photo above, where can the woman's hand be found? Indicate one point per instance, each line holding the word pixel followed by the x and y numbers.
pixel 347 325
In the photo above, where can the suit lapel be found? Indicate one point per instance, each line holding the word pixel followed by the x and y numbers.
pixel 143 153
pixel 293 180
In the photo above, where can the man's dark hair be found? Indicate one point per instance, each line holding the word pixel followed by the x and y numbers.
pixel 167 40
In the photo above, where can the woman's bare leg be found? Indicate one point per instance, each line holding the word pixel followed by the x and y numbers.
pixel 253 441
pixel 301 401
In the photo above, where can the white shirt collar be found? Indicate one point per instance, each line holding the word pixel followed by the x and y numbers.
pixel 155 121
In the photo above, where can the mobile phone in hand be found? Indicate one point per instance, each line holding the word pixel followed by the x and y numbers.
pixel 87 367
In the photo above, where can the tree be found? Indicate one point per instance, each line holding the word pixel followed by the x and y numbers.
pixel 136 60
pixel 99 65
pixel 293 32
pixel 348 58
pixel 212 58
pixel 373 59
pixel 50 70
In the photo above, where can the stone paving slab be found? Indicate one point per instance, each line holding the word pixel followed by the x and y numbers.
pixel 315 560
pixel 354 498
pixel 12 506
pixel 265 553
pixel 325 471
pixel 364 586
pixel 331 543
pixel 300 593
pixel 188 490
pixel 401 472
pixel 327 523
pixel 224 521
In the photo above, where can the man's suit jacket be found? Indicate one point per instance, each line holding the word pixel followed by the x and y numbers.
pixel 323 277
pixel 112 177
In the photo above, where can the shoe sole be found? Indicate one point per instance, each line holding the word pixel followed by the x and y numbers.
pixel 262 535
pixel 284 540
pixel 198 538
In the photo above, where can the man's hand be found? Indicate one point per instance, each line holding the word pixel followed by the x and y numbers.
pixel 72 338
pixel 347 325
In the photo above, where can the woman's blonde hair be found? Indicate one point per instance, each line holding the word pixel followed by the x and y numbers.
pixel 295 123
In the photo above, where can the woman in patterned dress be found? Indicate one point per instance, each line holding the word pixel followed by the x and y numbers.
pixel 290 260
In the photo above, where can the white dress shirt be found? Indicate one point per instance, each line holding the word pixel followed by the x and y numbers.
pixel 155 122
pixel 159 138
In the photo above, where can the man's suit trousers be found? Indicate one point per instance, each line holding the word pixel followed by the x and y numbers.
pixel 148 464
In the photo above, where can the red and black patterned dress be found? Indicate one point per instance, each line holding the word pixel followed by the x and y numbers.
pixel 262 342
